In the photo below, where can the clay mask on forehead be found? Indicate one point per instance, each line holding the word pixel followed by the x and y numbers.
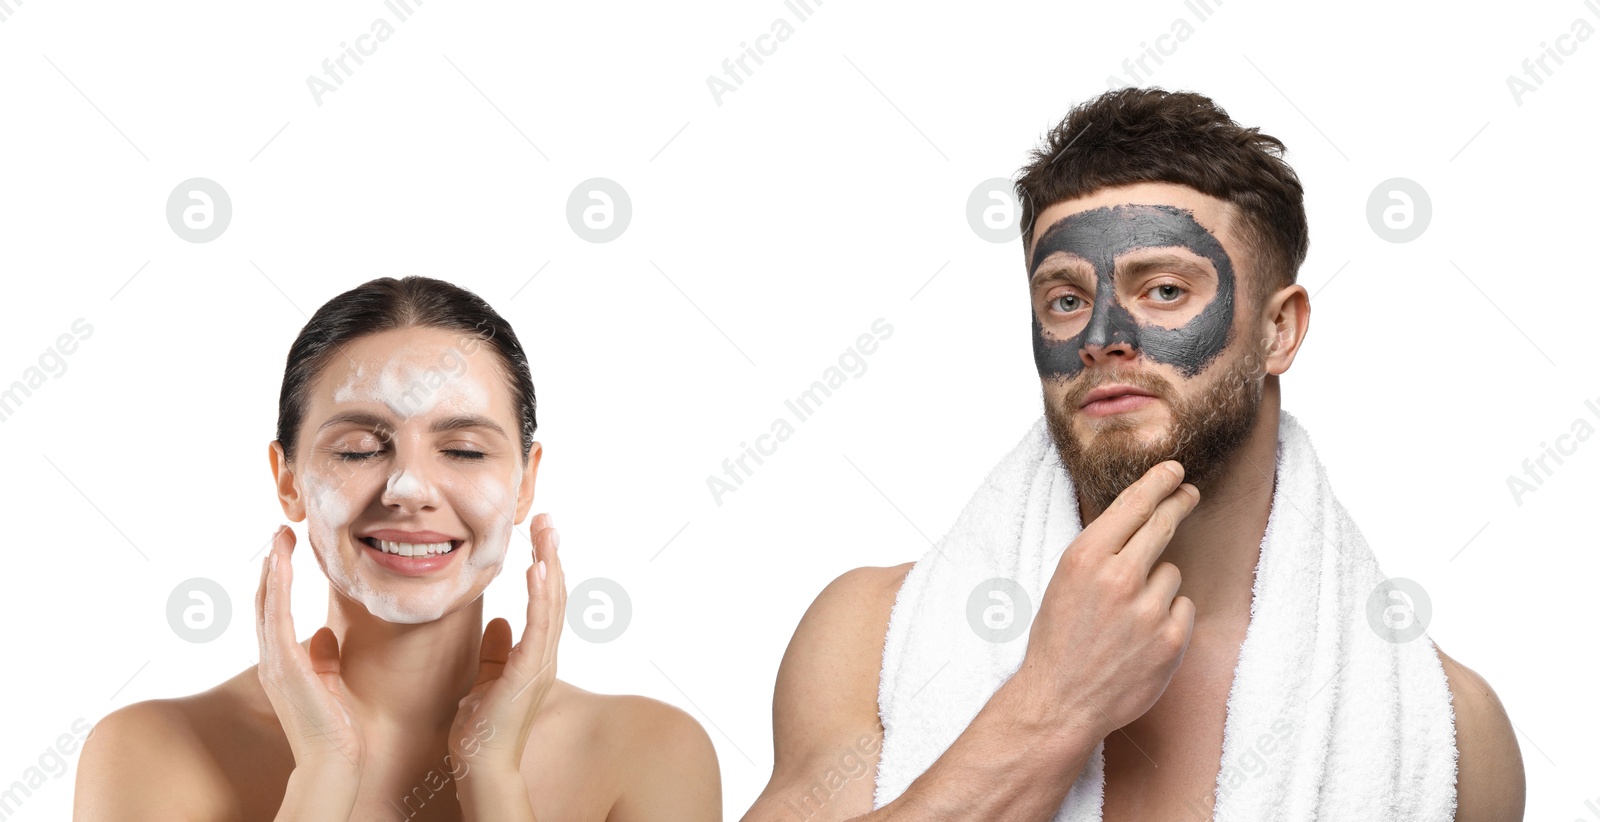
pixel 1099 236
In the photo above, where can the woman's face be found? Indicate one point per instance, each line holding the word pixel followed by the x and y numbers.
pixel 410 445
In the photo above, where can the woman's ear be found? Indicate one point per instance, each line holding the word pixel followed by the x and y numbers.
pixel 530 471
pixel 283 476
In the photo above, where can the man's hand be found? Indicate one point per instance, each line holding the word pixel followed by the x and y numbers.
pixel 1104 645
pixel 1109 633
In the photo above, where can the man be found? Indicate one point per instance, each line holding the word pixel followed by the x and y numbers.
pixel 1161 241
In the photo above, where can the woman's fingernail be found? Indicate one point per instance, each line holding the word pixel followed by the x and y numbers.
pixel 541 569
pixel 272 561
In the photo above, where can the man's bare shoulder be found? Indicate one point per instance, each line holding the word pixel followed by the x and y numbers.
pixel 824 705
pixel 862 596
pixel 177 758
pixel 1490 784
pixel 843 631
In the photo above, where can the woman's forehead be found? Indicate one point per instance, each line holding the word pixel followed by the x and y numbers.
pixel 413 372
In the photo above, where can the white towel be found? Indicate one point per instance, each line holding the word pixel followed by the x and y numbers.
pixel 1326 720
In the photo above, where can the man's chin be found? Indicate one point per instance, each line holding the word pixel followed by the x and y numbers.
pixel 1105 453
pixel 1125 446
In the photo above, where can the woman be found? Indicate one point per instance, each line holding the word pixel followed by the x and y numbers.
pixel 405 440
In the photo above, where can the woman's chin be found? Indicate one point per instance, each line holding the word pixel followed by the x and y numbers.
pixel 412 606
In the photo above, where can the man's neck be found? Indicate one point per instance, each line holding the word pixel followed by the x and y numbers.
pixel 1217 546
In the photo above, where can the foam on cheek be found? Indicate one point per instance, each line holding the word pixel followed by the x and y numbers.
pixel 496 507
pixel 328 511
pixel 328 515
pixel 488 508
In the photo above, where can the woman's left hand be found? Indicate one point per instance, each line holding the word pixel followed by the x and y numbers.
pixel 494 719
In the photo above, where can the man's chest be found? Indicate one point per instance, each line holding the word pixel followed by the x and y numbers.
pixel 1163 767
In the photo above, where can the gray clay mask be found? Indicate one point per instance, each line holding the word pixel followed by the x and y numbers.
pixel 1099 236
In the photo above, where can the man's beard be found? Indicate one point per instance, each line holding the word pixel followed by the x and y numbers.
pixel 1206 430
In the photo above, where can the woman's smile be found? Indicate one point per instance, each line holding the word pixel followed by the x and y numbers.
pixel 412 427
pixel 411 553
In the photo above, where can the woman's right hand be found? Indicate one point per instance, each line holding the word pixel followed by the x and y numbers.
pixel 305 688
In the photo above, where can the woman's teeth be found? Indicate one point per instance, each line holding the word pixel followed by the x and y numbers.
pixel 408 549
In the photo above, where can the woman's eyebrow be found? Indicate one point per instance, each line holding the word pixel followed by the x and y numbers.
pixel 366 419
pixel 465 421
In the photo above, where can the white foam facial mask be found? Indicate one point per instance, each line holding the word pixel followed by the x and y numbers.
pixel 413 383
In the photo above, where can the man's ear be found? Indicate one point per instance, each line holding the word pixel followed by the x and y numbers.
pixel 294 506
pixel 1284 322
pixel 530 472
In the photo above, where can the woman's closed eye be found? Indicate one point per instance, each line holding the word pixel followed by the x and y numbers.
pixel 458 453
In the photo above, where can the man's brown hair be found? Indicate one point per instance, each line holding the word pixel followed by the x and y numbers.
pixel 1139 135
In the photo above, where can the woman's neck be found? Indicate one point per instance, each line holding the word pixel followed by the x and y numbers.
pixel 406 678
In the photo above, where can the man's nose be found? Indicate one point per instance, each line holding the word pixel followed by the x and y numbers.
pixel 1093 355
pixel 1110 336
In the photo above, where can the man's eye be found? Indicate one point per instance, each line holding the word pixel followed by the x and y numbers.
pixel 1166 292
pixel 1068 302
pixel 462 453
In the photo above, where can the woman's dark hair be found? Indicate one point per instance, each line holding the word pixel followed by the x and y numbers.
pixel 387 303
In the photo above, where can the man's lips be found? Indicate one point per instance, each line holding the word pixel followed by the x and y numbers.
pixel 1115 399
pixel 1106 392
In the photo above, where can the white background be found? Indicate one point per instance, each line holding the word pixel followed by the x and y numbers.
pixel 768 232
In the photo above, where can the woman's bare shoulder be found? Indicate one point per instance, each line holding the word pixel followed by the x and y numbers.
pixel 192 757
pixel 661 759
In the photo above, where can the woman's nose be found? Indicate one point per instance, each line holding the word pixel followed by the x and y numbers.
pixel 408 489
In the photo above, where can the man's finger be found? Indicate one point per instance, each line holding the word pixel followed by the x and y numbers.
pixel 1135 505
pixel 1151 539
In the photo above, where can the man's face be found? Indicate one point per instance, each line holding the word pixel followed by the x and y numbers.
pixel 1141 335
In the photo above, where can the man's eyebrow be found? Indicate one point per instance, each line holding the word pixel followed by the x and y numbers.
pixel 460 421
pixel 1174 262
pixel 1061 266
